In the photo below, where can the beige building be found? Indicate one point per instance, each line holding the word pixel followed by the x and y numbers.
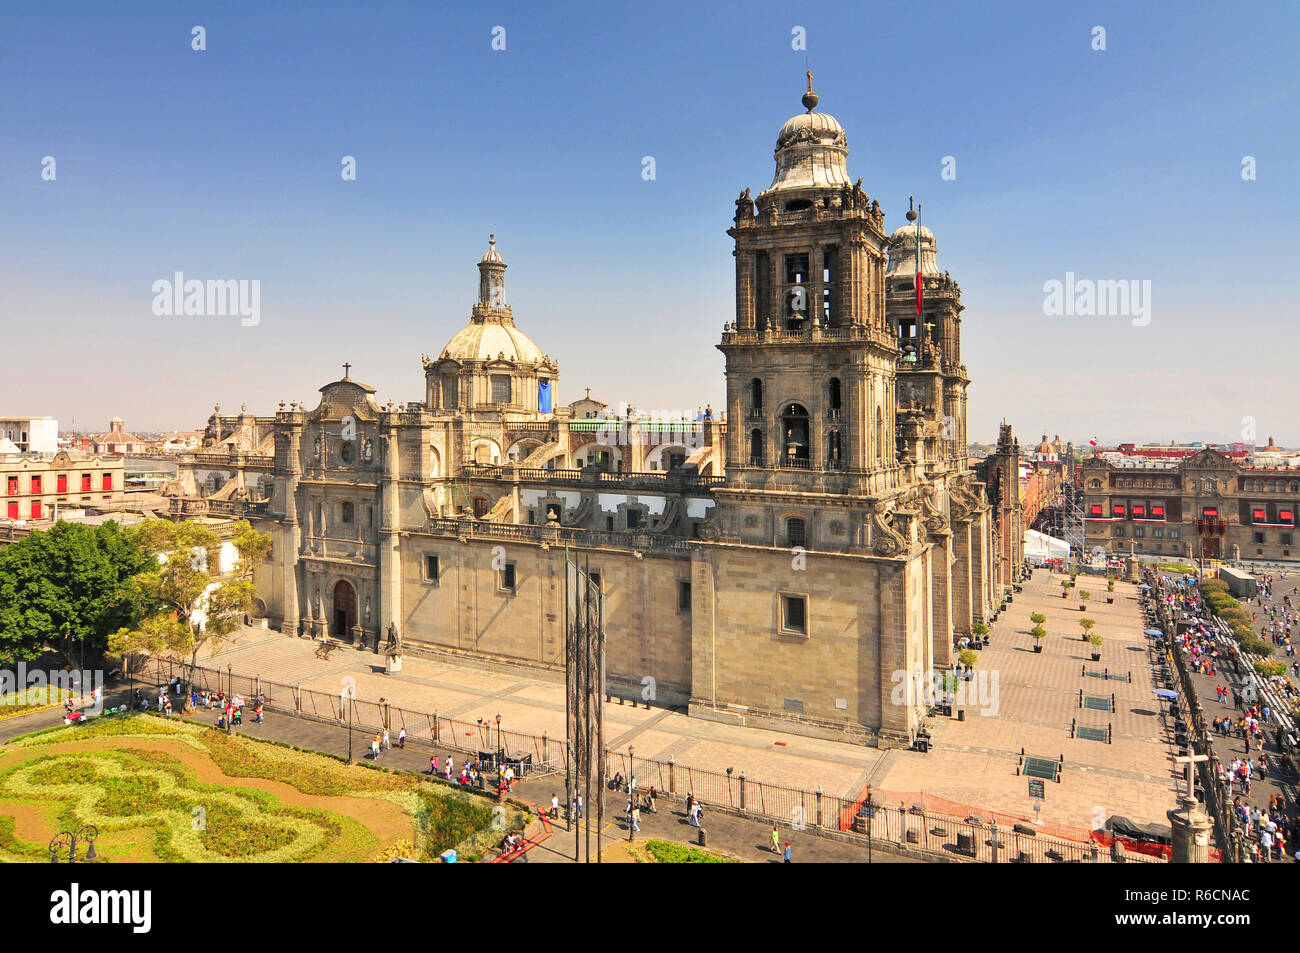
pixel 785 566
pixel 1242 512
pixel 37 484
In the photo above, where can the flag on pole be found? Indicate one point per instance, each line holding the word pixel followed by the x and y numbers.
pixel 918 260
pixel 1093 441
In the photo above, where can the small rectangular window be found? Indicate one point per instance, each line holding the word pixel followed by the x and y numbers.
pixel 108 481
pixel 633 518
pixel 1259 537
pixel 12 486
pixel 430 568
pixel 62 483
pixel 36 509
pixel 795 614
pixel 1284 539
pixel 507 583
pixel 85 483
pixel 1096 509
pixel 500 389
pixel 11 509
pixel 684 596
pixel 36 485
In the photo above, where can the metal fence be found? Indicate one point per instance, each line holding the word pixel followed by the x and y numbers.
pixel 867 820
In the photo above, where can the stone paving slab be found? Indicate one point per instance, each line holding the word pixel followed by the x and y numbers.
pixel 974 761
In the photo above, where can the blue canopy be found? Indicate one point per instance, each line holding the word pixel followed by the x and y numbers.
pixel 1154 633
pixel 1166 694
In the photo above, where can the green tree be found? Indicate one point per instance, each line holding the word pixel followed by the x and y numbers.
pixel 69 588
pixel 189 604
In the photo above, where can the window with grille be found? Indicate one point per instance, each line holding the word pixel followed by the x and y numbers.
pixel 500 389
pixel 796 532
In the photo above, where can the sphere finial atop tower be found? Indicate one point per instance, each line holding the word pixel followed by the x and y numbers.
pixel 810 99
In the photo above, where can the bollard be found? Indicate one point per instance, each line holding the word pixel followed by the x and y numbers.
pixel 704 837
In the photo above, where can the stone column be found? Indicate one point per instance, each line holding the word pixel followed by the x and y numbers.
pixel 703 631
pixel 963 608
pixel 390 553
pixel 942 575
pixel 744 290
pixel 291 539
pixel 1191 827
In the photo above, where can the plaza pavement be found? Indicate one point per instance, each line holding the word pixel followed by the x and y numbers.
pixel 972 764
pixel 974 761
pixel 531 703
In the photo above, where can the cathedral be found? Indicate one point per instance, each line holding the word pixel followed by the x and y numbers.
pixel 784 563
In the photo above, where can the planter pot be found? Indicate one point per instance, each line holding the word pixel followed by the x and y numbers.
pixel 1096 656
pixel 1082 607
pixel 1110 599
pixel 1038 648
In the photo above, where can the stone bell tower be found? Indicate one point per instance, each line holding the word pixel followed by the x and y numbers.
pixel 810 358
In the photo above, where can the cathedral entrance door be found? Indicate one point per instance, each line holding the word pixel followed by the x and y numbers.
pixel 345 610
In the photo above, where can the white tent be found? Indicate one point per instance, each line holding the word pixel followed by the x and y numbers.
pixel 1039 547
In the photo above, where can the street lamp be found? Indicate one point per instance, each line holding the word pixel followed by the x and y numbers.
pixel 68 839
pixel 501 766
pixel 631 791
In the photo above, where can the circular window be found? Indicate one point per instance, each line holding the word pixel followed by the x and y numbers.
pixel 346 453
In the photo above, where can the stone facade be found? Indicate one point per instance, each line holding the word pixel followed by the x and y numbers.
pixel 782 567
pixel 1153 510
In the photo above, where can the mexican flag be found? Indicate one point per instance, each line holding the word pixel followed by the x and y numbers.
pixel 918 264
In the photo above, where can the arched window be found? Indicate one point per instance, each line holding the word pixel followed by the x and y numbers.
pixel 756 455
pixel 794 433
pixel 833 397
pixel 755 397
pixel 833 460
pixel 796 532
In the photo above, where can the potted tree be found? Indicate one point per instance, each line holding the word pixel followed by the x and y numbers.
pixel 1110 589
pixel 1038 632
pixel 967 658
pixel 1086 625
pixel 1065 588
pixel 1084 596
pixel 1095 641
pixel 981 632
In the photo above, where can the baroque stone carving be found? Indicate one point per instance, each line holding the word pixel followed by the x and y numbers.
pixel 886 540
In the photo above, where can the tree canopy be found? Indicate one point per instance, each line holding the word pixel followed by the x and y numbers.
pixel 68 587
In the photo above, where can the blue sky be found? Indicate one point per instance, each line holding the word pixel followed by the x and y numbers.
pixel 1116 164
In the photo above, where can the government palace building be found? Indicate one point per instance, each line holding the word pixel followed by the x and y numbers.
pixel 783 562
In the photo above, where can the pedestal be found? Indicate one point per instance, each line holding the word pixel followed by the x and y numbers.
pixel 393 665
pixel 1191 841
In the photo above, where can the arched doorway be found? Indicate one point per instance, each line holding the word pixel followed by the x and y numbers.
pixel 345 610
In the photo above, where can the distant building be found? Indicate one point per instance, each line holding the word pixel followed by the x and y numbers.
pixel 35 484
pixel 31 434
pixel 1154 509
pixel 117 440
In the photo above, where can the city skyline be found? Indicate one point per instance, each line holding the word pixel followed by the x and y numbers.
pixel 1094 183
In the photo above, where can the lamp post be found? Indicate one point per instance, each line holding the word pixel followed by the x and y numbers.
pixel 631 791
pixel 347 700
pixel 501 760
pixel 68 839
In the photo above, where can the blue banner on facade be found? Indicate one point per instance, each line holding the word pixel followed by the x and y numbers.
pixel 544 397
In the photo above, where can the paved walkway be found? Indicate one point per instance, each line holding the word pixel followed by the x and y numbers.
pixel 743 838
pixel 532 702
pixel 1022 699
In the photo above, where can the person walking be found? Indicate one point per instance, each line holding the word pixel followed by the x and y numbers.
pixel 374 748
pixel 787 857
pixel 776 840
pixel 636 819
pixel 577 801
pixel 386 744
pixel 555 806
pixel 401 738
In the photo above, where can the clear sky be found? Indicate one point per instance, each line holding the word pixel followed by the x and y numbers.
pixel 1122 164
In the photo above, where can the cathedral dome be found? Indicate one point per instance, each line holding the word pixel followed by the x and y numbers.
pixel 489 340
pixel 902 252
pixel 811 153
pixel 811 127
